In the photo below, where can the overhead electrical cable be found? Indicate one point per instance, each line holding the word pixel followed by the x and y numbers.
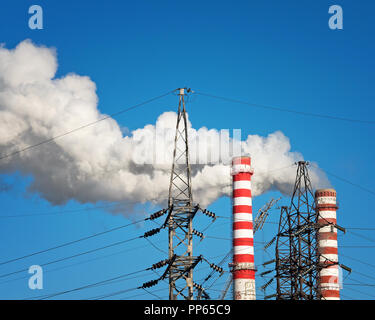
pixel 360 261
pixel 83 126
pixel 78 263
pixel 95 284
pixel 73 256
pixel 345 180
pixel 361 236
pixel 71 242
pixel 317 115
pixel 113 294
pixel 32 214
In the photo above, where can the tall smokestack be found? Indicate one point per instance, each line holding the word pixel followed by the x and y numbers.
pixel 243 242
pixel 326 207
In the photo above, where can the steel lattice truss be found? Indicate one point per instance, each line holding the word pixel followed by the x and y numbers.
pixel 181 213
pixel 296 243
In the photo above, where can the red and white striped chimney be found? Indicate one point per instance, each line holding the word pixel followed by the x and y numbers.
pixel 243 242
pixel 326 207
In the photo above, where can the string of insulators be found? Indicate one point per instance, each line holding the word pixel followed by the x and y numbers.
pixel 205 295
pixel 265 272
pixel 198 286
pixel 157 214
pixel 216 268
pixel 209 214
pixel 202 290
pixel 197 233
pixel 160 264
pixel 151 232
pixel 267 284
pixel 149 284
pixel 269 262
pixel 269 243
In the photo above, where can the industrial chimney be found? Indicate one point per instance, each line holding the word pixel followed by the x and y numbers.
pixel 326 207
pixel 243 242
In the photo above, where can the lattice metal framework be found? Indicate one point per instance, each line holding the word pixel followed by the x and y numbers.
pixel 181 212
pixel 297 258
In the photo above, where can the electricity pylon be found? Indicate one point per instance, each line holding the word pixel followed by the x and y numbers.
pixel 181 212
pixel 297 267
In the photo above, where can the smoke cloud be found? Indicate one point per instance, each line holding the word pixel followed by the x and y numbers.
pixel 101 162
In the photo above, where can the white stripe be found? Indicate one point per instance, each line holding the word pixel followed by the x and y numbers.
pixel 238 168
pixel 329 272
pixel 244 289
pixel 241 216
pixel 243 250
pixel 326 200
pixel 327 214
pixel 330 298
pixel 242 233
pixel 330 286
pixel 241 201
pixel 329 229
pixel 242 184
pixel 330 257
pixel 328 243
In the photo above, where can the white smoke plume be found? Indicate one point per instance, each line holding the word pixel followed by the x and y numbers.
pixel 98 163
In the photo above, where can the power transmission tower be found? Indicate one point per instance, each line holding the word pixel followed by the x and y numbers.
pixel 297 269
pixel 181 212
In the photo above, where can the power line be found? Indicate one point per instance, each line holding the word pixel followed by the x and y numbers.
pixel 153 294
pixel 112 294
pixel 78 263
pixel 284 109
pixel 346 296
pixel 74 256
pixel 84 126
pixel 363 274
pixel 361 236
pixel 157 248
pixel 360 261
pixel 357 246
pixel 94 284
pixel 142 294
pixel 71 242
pixel 344 180
pixel 361 292
pixel 31 214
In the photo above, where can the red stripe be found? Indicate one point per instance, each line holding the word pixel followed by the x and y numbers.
pixel 243 258
pixel 331 293
pixel 241 193
pixel 327 236
pixel 242 209
pixel 325 193
pixel 326 207
pixel 241 160
pixel 243 242
pixel 242 176
pixel 242 225
pixel 329 279
pixel 328 250
pixel 327 262
pixel 244 274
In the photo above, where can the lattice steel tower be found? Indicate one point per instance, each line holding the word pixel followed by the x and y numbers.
pixel 297 270
pixel 181 212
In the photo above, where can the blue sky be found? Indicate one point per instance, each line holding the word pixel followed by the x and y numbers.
pixel 278 53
